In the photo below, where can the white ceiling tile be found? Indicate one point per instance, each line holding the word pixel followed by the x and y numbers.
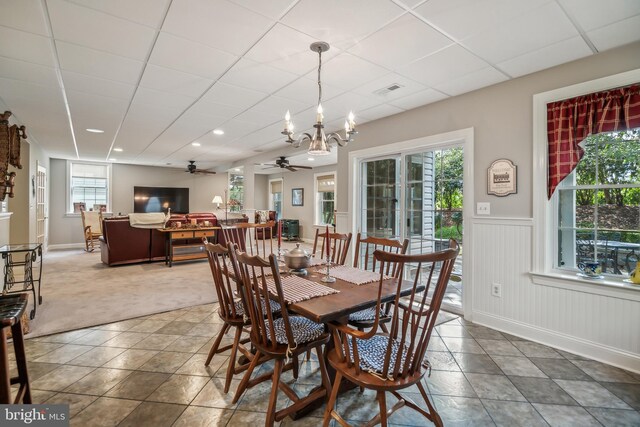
pixel 305 90
pixel 416 38
pixel 190 57
pixel 447 64
pixel 163 99
pixel 273 8
pixel 289 50
pixel 360 72
pixel 87 27
pixel 25 15
pixel 592 14
pixel 341 23
pixel 146 12
pixel 378 112
pixel 27 71
pixel 222 93
pixel 91 62
pixel 86 103
pixel 549 56
pixel 26 47
pixel 258 119
pixel 617 34
pixel 19 95
pixel 217 113
pixel 97 86
pixel 219 24
pixel 541 27
pixel 172 81
pixel 252 75
pixel 236 128
pixel 418 99
pixel 373 88
pixel 277 106
pixel 462 18
pixel 476 80
pixel 338 108
pixel 410 3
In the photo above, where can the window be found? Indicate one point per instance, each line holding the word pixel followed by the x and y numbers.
pixel 598 205
pixel 275 199
pixel 574 224
pixel 89 185
pixel 325 199
pixel 236 192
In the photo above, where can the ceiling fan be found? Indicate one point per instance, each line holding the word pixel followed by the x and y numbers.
pixel 283 163
pixel 191 168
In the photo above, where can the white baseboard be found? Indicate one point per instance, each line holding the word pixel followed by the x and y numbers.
pixel 602 353
pixel 68 246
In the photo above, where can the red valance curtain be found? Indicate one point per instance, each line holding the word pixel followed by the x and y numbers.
pixel 572 120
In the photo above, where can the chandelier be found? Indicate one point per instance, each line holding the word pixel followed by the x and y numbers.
pixel 319 143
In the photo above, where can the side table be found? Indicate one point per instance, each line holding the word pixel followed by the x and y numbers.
pixel 28 256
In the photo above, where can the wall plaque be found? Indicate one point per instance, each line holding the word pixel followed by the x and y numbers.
pixel 502 178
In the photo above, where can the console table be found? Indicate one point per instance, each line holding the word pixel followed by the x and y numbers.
pixel 186 243
pixel 290 229
pixel 26 255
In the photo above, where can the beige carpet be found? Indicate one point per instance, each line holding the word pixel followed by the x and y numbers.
pixel 79 291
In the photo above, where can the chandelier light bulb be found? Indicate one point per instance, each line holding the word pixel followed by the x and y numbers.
pixel 319 116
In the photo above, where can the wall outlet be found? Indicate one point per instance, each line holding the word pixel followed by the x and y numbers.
pixel 496 290
pixel 483 208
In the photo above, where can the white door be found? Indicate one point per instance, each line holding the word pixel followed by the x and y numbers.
pixel 40 188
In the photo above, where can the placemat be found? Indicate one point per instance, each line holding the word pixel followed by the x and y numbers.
pixel 296 289
pixel 354 275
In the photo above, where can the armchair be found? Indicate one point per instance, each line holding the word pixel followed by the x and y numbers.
pixel 264 217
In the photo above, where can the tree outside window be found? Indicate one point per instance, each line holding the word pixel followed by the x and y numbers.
pixel 599 205
pixel 325 199
pixel 236 192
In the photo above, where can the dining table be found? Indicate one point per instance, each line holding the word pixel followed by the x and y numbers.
pixel 336 307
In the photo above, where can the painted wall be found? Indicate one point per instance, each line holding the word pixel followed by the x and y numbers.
pixel 65 229
pixel 261 192
pixel 19 204
pixel 303 178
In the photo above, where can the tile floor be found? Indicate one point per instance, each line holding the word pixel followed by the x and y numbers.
pixel 150 371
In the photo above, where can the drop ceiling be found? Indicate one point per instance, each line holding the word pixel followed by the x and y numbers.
pixel 158 75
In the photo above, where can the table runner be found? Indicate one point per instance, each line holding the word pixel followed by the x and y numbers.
pixel 296 289
pixel 354 275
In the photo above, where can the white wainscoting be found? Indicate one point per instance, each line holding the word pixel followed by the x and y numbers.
pixel 5 228
pixel 605 328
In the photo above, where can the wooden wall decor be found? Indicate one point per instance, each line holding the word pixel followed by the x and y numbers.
pixel 10 138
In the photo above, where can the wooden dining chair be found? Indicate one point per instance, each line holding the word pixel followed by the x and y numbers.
pixel 230 310
pixel 243 235
pixel 364 259
pixel 282 339
pixel 389 362
pixel 338 246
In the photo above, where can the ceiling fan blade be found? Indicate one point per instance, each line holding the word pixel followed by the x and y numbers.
pixel 301 167
pixel 205 172
pixel 291 168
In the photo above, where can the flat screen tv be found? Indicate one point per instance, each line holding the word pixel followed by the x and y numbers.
pixel 160 199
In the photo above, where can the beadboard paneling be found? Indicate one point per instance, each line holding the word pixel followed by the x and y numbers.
pixel 580 320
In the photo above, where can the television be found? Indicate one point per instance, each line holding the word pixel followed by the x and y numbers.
pixel 160 199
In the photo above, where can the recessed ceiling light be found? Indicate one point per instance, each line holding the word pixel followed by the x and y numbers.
pixel 195 144
pixel 112 159
pixel 218 132
pixel 95 130
pixel 311 159
pixel 237 169
pixel 118 150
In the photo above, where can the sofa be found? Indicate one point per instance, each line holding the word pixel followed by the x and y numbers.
pixel 122 244
pixel 263 217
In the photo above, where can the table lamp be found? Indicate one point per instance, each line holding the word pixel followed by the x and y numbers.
pixel 217 200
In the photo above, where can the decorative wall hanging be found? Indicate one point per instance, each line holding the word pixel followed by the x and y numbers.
pixel 297 197
pixel 502 178
pixel 10 138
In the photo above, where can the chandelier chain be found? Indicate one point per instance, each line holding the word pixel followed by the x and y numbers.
pixel 319 69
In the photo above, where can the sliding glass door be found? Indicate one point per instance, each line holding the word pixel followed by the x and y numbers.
pixel 418 196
